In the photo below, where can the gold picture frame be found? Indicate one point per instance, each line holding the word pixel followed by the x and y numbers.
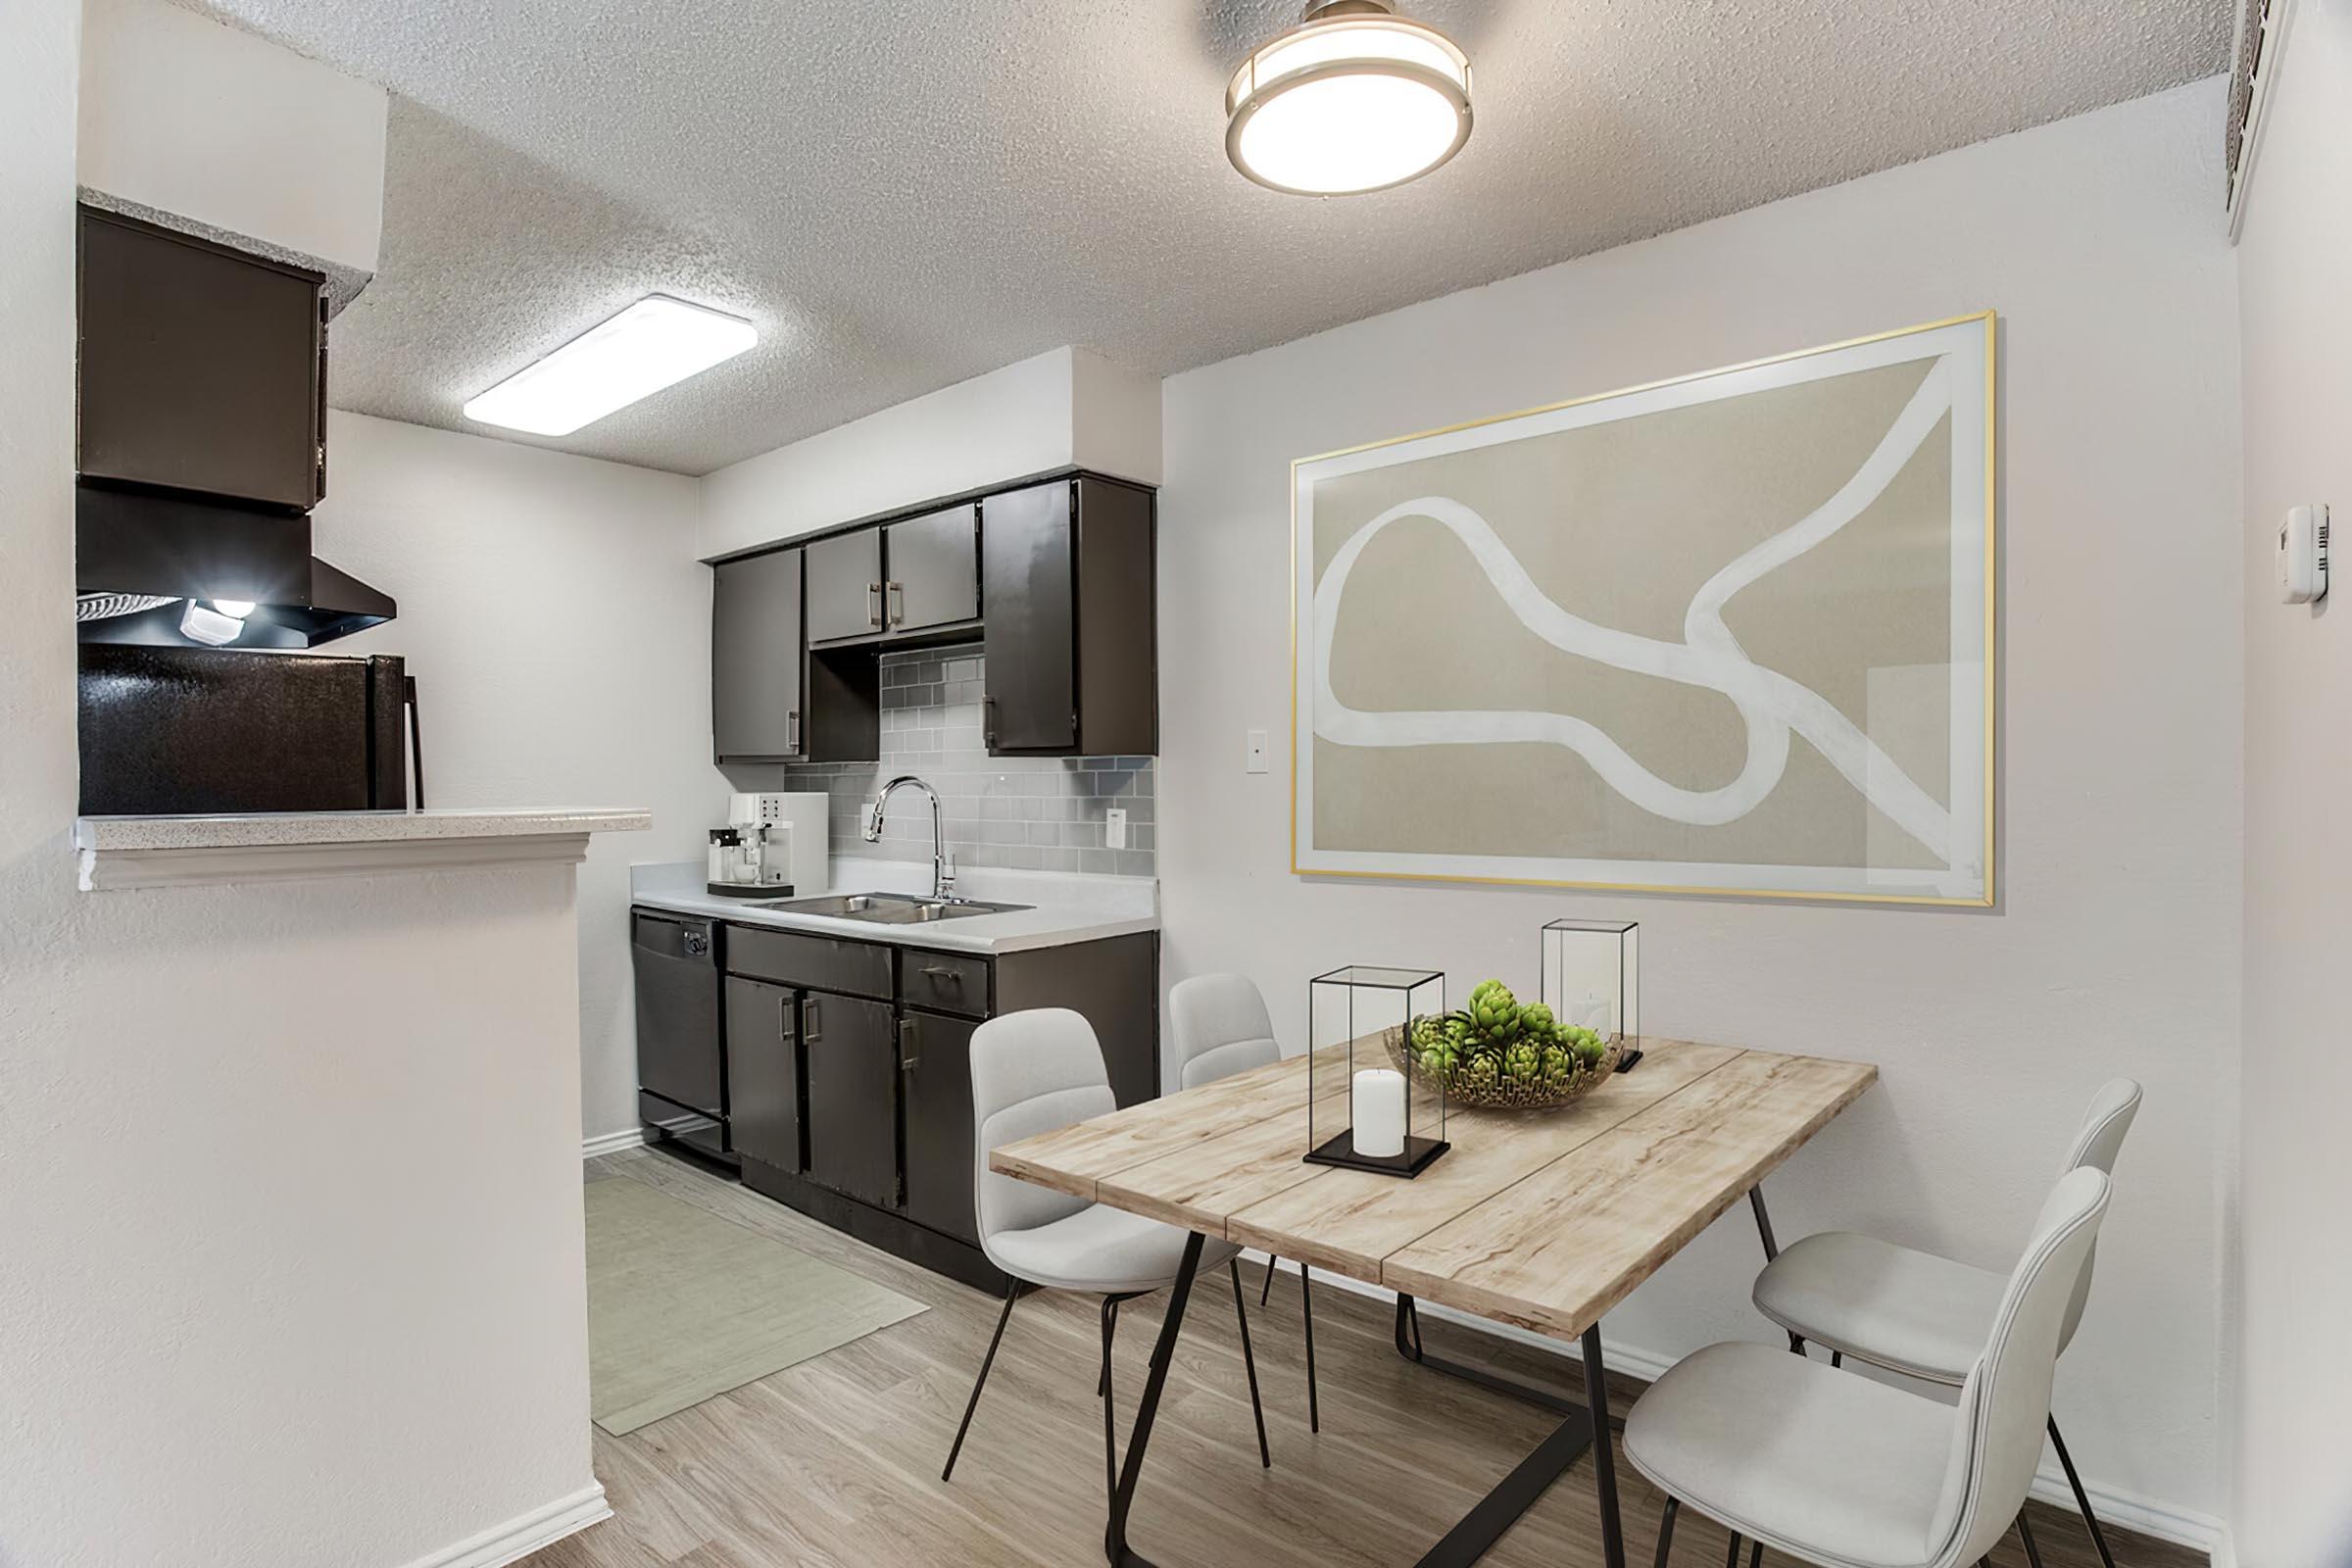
pixel 1969 343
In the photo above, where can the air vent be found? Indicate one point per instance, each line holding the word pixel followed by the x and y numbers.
pixel 2261 40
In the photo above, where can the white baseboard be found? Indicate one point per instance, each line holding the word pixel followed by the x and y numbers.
pixel 519 1537
pixel 611 1142
pixel 2129 1509
pixel 2225 1547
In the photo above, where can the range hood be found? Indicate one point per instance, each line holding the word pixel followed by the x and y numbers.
pixel 142 555
pixel 201 446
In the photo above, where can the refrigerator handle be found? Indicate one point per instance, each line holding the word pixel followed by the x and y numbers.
pixel 415 744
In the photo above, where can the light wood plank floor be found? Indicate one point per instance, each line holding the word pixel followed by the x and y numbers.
pixel 836 1461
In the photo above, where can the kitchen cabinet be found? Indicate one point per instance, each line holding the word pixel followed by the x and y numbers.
pixel 935 1064
pixel 758 664
pixel 1055 580
pixel 848 1070
pixel 1070 626
pixel 850 1047
pixel 845 586
pixel 202 369
pixel 933 567
pixel 764 1071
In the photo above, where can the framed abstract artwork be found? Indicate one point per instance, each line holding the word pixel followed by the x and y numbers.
pixel 1731 633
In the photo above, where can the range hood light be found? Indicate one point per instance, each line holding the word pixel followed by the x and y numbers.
pixel 210 626
pixel 234 608
pixel 655 343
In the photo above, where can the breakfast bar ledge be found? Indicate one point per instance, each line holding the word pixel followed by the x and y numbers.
pixel 1540 1222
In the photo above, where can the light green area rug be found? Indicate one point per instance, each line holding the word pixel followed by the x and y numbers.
pixel 683 1305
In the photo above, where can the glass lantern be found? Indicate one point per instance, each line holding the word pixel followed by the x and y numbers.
pixel 1593 976
pixel 1364 1109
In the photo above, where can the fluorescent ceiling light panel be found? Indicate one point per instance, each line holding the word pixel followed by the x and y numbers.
pixel 655 343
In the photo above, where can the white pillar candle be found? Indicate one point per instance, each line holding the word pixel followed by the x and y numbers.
pixel 1378 1094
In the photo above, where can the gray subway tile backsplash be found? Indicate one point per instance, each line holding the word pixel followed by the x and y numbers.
pixel 1032 814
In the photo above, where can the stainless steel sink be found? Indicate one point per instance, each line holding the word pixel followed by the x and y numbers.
pixel 888 909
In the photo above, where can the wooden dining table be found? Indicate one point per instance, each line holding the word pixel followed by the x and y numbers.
pixel 1542 1220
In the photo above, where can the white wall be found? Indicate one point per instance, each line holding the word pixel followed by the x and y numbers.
pixel 187 116
pixel 290 1256
pixel 2114 949
pixel 1065 407
pixel 558 628
pixel 2293 1501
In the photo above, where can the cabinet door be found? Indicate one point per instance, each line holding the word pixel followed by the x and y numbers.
pixel 764 1071
pixel 934 565
pixel 845 586
pixel 935 1061
pixel 755 657
pixel 852 1110
pixel 201 367
pixel 1118 688
pixel 1026 581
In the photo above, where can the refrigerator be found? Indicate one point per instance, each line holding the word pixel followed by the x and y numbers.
pixel 167 731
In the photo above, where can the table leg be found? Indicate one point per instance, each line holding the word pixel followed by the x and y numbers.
pixel 1586 1427
pixel 1604 1460
pixel 1408 1346
pixel 1122 1497
pixel 1469 1541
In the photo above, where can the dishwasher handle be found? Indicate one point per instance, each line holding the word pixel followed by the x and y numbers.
pixel 674 937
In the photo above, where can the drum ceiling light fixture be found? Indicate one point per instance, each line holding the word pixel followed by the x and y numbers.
pixel 1355 98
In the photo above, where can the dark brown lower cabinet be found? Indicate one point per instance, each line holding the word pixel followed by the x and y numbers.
pixel 935 1065
pixel 850 1071
pixel 850 1049
pixel 764 1071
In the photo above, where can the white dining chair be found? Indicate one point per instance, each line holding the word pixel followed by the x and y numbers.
pixel 1220 1027
pixel 1842 1470
pixel 1033 1072
pixel 1922 1315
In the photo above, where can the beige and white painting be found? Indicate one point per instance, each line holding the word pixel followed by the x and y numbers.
pixel 1730 633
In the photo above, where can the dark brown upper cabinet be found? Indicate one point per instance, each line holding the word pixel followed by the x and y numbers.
pixel 758 664
pixel 911 579
pixel 933 571
pixel 845 587
pixel 202 369
pixel 1070 620
pixel 774 699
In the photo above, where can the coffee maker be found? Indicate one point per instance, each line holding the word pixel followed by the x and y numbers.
pixel 773 847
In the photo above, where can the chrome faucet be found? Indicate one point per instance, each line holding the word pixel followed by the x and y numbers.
pixel 943 863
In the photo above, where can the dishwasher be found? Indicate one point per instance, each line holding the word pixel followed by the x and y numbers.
pixel 681 1054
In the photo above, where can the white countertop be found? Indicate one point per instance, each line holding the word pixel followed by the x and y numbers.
pixel 228 847
pixel 241 830
pixel 1063 907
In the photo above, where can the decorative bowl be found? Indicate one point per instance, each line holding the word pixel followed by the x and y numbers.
pixel 1466 1086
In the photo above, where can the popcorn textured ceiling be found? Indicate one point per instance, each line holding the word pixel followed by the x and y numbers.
pixel 906 193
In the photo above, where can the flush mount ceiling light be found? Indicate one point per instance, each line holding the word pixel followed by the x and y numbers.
pixel 655 343
pixel 1355 98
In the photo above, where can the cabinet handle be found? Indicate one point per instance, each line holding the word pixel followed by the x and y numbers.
pixel 873 613
pixel 792 729
pixel 939 971
pixel 898 616
pixel 910 1036
pixel 811 1026
pixel 988 722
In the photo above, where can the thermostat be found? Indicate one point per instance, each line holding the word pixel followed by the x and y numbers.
pixel 2303 554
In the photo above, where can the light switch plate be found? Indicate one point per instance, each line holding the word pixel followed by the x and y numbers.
pixel 1256 762
pixel 1114 828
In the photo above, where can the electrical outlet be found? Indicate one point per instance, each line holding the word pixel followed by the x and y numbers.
pixel 1114 828
pixel 1257 756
